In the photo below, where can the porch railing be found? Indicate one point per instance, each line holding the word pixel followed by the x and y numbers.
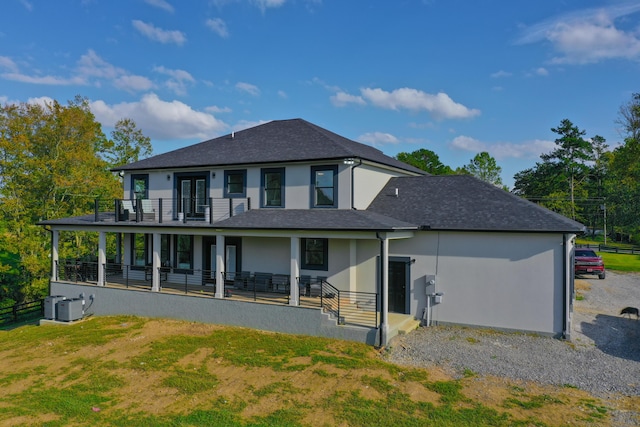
pixel 348 307
pixel 208 210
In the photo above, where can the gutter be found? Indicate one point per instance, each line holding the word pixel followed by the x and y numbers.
pixel 352 183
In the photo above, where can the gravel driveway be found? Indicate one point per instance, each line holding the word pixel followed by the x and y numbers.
pixel 603 356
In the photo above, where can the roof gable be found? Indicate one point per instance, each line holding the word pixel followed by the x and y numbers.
pixel 294 140
pixel 463 202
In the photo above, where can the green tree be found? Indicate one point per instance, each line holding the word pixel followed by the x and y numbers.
pixel 426 160
pixel 572 153
pixel 484 167
pixel 51 168
pixel 128 144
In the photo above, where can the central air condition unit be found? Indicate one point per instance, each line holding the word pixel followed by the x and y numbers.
pixel 50 303
pixel 70 310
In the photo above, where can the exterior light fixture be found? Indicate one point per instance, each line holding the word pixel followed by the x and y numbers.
pixel 168 177
pixel 349 161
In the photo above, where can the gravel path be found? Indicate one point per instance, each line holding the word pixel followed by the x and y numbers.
pixel 603 356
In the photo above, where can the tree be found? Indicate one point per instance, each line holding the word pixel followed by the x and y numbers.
pixel 127 145
pixel 571 153
pixel 629 117
pixel 51 168
pixel 484 167
pixel 426 160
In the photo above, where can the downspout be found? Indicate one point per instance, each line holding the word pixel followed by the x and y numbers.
pixel 566 291
pixel 353 184
pixel 383 298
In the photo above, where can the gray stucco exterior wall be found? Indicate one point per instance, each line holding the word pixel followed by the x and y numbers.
pixel 267 317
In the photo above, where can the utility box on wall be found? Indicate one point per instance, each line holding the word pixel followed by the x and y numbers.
pixel 70 310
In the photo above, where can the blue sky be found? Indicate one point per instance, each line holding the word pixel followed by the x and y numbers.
pixel 455 77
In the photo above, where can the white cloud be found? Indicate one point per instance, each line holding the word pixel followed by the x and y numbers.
pixel 248 88
pixel 42 101
pixel 588 36
pixel 178 79
pixel 42 80
pixel 8 64
pixel 27 5
pixel 378 139
pixel 501 73
pixel 218 26
pixel 266 4
pixel 92 66
pixel 157 34
pixel 504 150
pixel 162 120
pixel 162 4
pixel 216 109
pixel 282 94
pixel 541 71
pixel 466 143
pixel 341 99
pixel 440 106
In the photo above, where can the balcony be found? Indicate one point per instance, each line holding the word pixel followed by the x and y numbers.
pixel 209 210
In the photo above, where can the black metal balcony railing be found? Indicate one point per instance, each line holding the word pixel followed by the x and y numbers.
pixel 208 210
pixel 348 307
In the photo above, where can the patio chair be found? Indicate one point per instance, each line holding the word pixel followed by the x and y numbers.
pixel 303 283
pixel 128 212
pixel 315 288
pixel 240 279
pixel 262 281
pixel 148 213
pixel 280 283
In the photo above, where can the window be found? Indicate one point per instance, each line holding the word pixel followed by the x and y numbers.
pixel 315 254
pixel 235 183
pixel 184 252
pixel 324 186
pixel 272 188
pixel 140 186
pixel 192 193
pixel 140 244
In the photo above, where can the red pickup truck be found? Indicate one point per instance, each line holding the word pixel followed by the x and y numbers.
pixel 588 262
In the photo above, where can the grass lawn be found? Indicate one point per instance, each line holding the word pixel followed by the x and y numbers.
pixel 129 371
pixel 616 262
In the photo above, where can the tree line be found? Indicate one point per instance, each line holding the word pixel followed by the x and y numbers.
pixel 55 160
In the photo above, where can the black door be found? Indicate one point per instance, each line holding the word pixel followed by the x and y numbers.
pixel 398 278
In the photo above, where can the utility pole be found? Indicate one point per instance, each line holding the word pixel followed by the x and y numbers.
pixel 604 208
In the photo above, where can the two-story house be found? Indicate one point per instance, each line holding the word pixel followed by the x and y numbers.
pixel 289 227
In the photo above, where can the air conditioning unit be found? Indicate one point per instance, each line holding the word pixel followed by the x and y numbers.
pixel 50 303
pixel 70 310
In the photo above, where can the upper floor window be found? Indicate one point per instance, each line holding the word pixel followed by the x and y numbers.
pixel 272 183
pixel 140 186
pixel 325 189
pixel 235 183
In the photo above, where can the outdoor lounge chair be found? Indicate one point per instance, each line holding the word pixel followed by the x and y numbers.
pixel 240 279
pixel 262 282
pixel 280 283
pixel 128 212
pixel 303 283
pixel 315 288
pixel 148 213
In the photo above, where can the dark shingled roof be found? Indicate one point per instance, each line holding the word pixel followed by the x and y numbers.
pixel 462 202
pixel 313 219
pixel 279 141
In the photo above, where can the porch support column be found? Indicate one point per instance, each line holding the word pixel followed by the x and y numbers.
pixel 353 261
pixel 384 288
pixel 102 257
pixel 155 263
pixel 118 248
pixel 219 266
pixel 294 272
pixel 55 238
